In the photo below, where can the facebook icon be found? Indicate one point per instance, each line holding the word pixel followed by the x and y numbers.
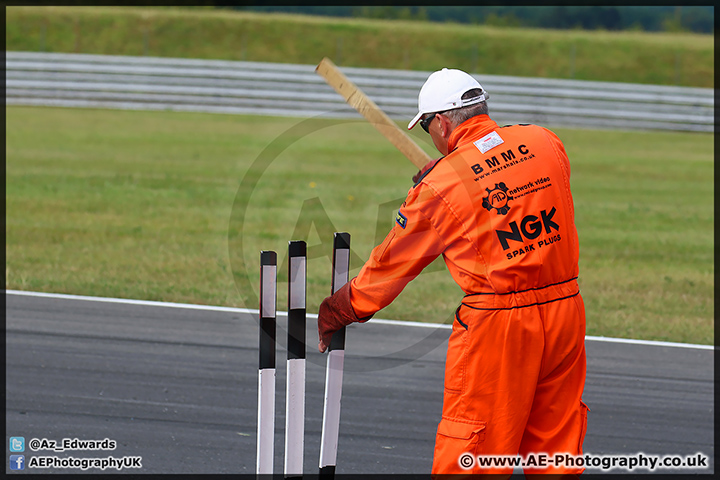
pixel 17 462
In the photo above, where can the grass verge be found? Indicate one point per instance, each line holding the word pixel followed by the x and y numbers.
pixel 635 57
pixel 176 207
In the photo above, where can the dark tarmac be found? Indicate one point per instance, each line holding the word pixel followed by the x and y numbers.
pixel 178 387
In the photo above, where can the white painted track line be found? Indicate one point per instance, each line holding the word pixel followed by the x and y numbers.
pixel 311 315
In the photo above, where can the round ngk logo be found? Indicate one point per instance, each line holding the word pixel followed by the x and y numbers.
pixel 497 198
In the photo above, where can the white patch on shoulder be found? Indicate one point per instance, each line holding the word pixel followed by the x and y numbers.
pixel 491 140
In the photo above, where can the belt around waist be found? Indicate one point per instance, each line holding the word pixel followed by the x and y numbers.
pixel 522 298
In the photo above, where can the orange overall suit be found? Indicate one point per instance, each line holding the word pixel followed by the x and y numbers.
pixel 498 208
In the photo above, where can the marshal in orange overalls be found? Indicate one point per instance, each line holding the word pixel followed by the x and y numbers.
pixel 498 208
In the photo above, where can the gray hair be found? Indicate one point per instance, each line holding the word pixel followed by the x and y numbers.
pixel 459 115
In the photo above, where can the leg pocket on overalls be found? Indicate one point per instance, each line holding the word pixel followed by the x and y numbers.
pixel 456 360
pixel 457 439
pixel 583 426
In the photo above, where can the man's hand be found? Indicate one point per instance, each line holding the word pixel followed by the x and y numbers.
pixel 335 312
pixel 422 171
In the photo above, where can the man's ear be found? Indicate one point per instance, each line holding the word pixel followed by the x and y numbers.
pixel 445 125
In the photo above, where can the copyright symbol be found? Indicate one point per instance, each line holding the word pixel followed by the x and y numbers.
pixel 466 461
pixel 34 444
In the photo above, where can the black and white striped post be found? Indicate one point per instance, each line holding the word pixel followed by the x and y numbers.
pixel 266 379
pixel 295 391
pixel 335 363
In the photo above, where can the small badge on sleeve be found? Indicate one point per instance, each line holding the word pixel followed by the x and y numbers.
pixel 401 219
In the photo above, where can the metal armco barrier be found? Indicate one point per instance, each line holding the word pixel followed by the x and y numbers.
pixel 216 86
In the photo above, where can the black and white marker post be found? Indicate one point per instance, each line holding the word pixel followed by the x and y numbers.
pixel 335 363
pixel 295 392
pixel 266 379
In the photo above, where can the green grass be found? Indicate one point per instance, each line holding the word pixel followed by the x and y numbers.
pixel 176 207
pixel 644 210
pixel 636 57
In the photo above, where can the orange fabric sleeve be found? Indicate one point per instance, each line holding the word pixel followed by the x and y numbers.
pixel 412 244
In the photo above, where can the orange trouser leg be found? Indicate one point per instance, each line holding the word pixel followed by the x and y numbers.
pixel 494 386
pixel 490 377
pixel 558 418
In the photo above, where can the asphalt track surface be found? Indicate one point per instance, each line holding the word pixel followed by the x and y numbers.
pixel 178 387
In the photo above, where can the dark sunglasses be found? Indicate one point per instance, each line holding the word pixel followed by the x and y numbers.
pixel 425 122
